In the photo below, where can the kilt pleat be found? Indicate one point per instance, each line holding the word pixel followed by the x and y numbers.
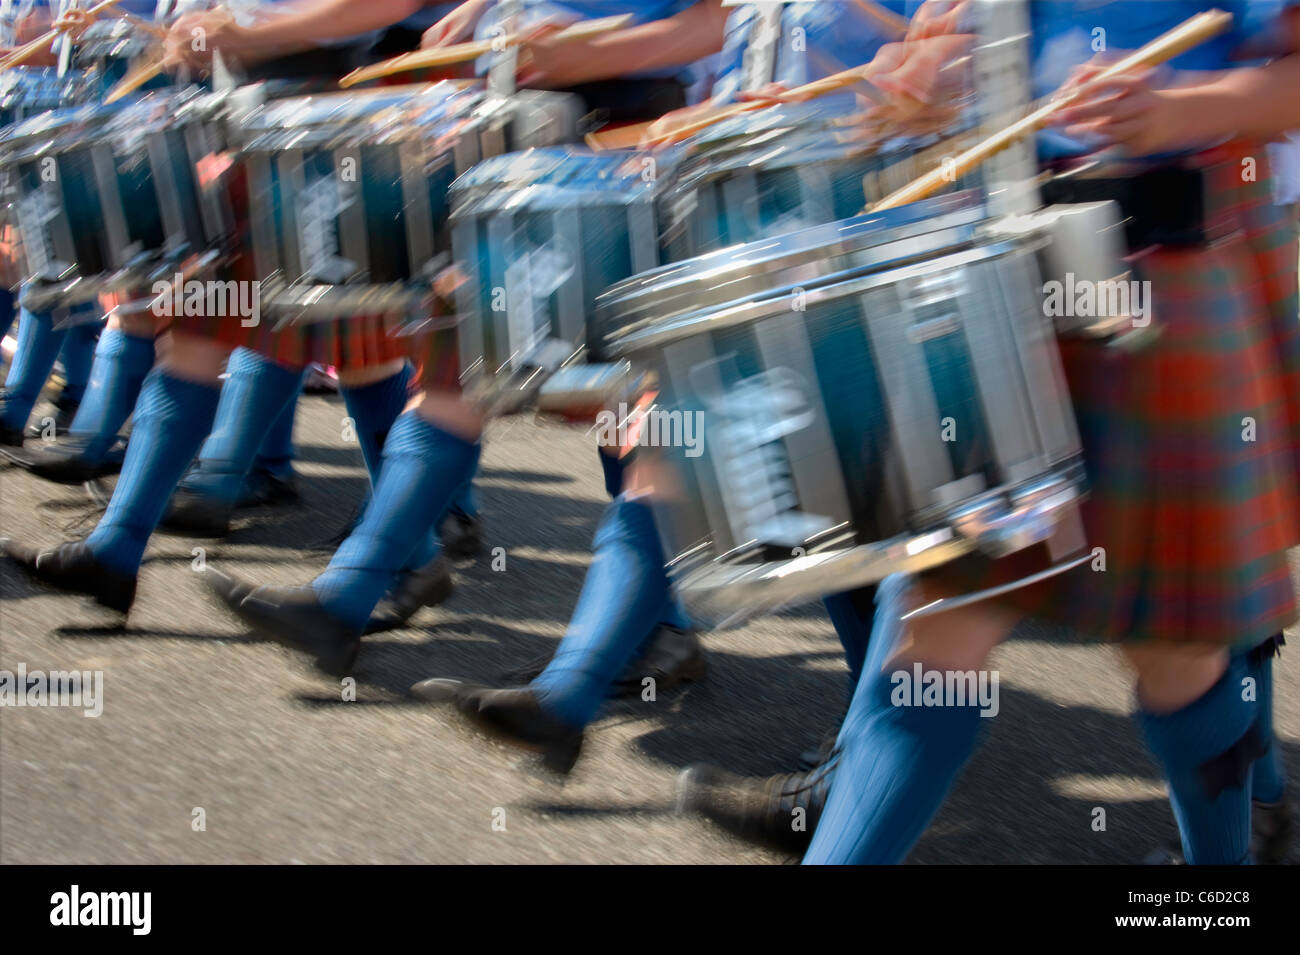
pixel 1191 444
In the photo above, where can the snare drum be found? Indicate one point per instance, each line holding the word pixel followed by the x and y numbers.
pixel 539 235
pixel 28 91
pixel 779 171
pixel 107 198
pixel 874 395
pixel 346 195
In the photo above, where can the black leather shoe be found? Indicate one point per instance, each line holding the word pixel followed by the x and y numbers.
pixel 291 617
pixel 9 437
pixel 265 489
pixel 197 514
pixel 777 811
pixel 513 716
pixel 74 568
pixel 461 535
pixel 64 461
pixel 65 409
pixel 672 657
pixel 425 586
pixel 1274 829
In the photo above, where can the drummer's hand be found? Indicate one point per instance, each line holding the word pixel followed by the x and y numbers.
pixel 32 26
pixel 548 64
pixel 28 29
pixel 1130 112
pixel 456 26
pixel 74 22
pixel 937 18
pixel 194 36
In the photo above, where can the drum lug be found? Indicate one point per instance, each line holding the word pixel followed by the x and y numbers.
pixel 999 527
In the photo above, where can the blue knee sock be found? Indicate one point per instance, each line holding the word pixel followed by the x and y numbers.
pixel 77 356
pixel 276 453
pixel 254 394
pixel 422 467
pixel 896 763
pixel 38 347
pixel 851 614
pixel 171 419
pixel 1267 782
pixel 373 408
pixel 1206 749
pixel 121 362
pixel 465 500
pixel 622 599
pixel 7 311
pixel 611 466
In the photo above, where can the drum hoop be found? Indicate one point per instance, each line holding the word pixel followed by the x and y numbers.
pixel 662 333
pixel 957 210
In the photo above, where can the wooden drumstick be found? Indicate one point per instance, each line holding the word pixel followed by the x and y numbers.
pixel 22 54
pixel 626 136
pixel 460 52
pixel 1189 33
pixel 136 78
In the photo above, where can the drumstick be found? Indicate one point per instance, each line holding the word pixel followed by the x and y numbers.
pixel 135 79
pixel 460 52
pixel 29 49
pixel 615 138
pixel 1190 33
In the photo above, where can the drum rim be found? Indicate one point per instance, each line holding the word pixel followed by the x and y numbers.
pixel 764 586
pixel 657 333
pixel 918 218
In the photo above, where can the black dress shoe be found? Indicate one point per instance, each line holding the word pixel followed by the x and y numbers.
pixel 1274 829
pixel 199 514
pixel 74 568
pixel 65 409
pixel 513 716
pixel 777 811
pixel 292 617
pixel 9 437
pixel 425 586
pixel 671 657
pixel 264 488
pixel 64 461
pixel 461 535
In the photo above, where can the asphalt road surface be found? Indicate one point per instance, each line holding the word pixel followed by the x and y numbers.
pixel 198 715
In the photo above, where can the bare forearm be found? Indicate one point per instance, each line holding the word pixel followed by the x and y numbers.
pixel 1257 103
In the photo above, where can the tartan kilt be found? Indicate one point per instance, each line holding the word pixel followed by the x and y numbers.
pixel 1191 444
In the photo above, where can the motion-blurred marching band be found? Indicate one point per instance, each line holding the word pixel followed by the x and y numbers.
pixel 944 314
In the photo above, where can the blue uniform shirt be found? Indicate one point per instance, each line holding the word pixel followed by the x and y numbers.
pixel 1068 33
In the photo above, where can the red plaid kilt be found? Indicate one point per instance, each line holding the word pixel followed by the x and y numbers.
pixel 1192 444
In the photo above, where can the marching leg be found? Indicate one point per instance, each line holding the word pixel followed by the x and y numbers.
pixel 39 344
pixel 255 393
pixel 1206 747
pixel 122 359
pixel 426 457
pixel 177 405
pixel 1272 822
